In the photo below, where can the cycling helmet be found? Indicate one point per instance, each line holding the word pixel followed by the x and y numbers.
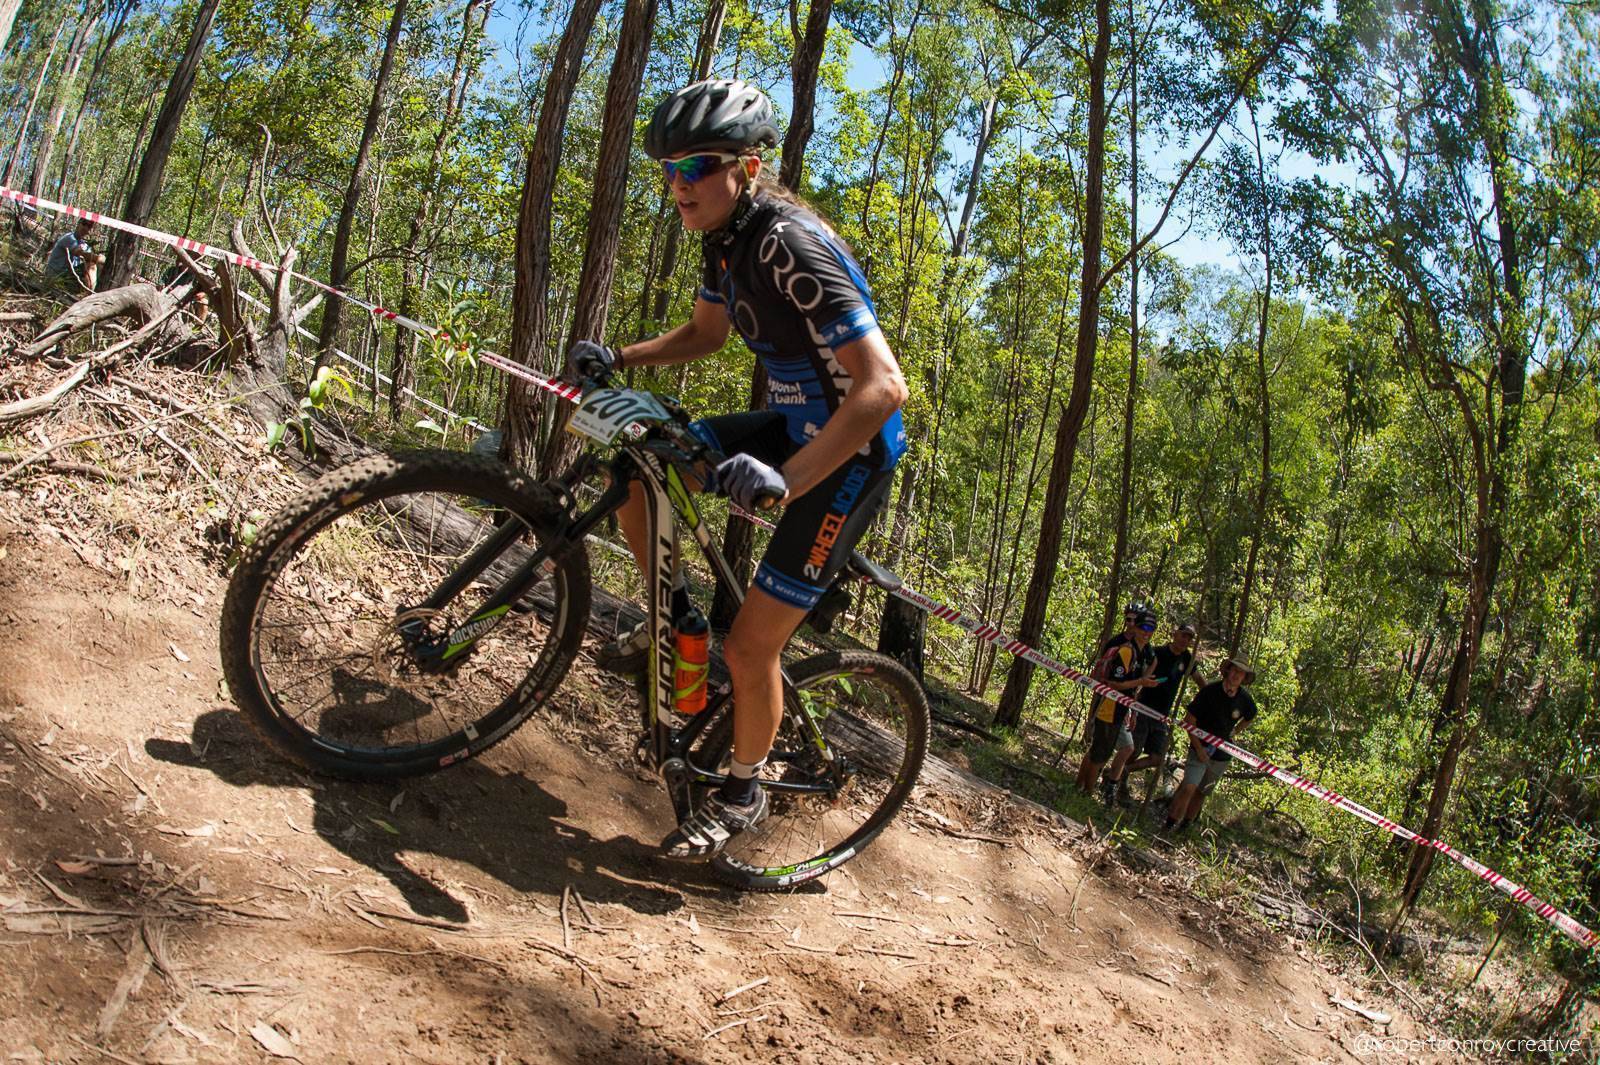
pixel 1146 617
pixel 715 115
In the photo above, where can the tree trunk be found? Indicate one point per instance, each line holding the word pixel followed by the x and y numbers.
pixel 58 101
pixel 33 102
pixel 1263 491
pixel 400 370
pixel 605 213
pixel 8 18
pixel 980 151
pixel 803 71
pixel 705 54
pixel 1036 602
pixel 530 311
pixel 899 59
pixel 147 186
pixel 739 536
pixel 1474 50
pixel 1119 548
pixel 333 309
pixel 902 633
pixel 108 41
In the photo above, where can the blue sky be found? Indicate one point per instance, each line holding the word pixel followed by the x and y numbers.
pixel 1190 245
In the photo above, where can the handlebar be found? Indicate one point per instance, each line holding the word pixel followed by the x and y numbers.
pixel 694 448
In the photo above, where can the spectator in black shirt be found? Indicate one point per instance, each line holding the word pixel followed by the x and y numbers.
pixel 1221 708
pixel 1173 665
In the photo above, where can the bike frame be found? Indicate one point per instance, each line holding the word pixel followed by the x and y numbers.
pixel 653 464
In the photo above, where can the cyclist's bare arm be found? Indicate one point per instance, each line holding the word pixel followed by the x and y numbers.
pixel 877 390
pixel 705 332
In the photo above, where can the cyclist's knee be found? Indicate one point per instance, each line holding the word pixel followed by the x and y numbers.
pixel 746 652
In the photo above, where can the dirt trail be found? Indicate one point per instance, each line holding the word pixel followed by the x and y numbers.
pixel 172 892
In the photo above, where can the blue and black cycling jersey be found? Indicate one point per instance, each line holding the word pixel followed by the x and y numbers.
pixel 795 294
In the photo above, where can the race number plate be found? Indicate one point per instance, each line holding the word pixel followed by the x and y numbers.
pixel 607 413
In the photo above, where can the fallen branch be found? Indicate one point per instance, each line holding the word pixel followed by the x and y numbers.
pixel 751 986
pixel 551 948
pixel 952 721
pixel 45 452
pixel 144 301
pixel 83 469
pixel 733 1024
pixel 134 971
pixel 26 408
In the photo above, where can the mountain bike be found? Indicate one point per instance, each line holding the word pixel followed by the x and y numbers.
pixel 409 611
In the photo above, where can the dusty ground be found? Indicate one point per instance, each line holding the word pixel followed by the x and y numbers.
pixel 172 892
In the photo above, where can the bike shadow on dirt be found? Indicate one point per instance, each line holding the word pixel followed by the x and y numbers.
pixel 502 823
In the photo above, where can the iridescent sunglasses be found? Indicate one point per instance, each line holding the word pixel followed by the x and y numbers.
pixel 694 167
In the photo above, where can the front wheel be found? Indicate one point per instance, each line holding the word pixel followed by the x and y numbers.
pixel 357 633
pixel 852 741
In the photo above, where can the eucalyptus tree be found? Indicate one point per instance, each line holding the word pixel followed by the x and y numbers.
pixel 15 153
pixel 530 318
pixel 88 19
pixel 610 195
pixel 8 18
pixel 1247 45
pixel 147 185
pixel 468 58
pixel 119 14
pixel 1451 119
pixel 338 264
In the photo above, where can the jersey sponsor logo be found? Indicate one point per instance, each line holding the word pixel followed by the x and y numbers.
pixel 840 376
pixel 803 288
pixel 833 522
pixel 851 326
pixel 744 319
pixel 785 393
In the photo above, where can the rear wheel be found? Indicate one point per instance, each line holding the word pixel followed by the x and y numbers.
pixel 329 644
pixel 852 741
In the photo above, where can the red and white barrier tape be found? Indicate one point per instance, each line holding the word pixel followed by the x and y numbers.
pixel 984 631
pixel 195 247
pixel 976 627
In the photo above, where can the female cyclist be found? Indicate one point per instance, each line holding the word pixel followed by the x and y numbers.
pixel 830 436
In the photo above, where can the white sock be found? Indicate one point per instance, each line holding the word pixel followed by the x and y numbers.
pixel 745 770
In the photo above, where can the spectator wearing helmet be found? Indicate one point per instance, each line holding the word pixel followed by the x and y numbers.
pixel 829 438
pixel 1125 667
pixel 1221 708
pixel 1174 664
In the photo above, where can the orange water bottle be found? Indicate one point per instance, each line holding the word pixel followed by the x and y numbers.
pixel 691 662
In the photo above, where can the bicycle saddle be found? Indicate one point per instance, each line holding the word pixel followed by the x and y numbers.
pixel 865 568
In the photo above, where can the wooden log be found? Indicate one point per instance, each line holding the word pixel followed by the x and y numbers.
pixel 143 302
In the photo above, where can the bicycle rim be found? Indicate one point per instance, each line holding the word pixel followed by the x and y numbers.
pixel 872 718
pixel 344 658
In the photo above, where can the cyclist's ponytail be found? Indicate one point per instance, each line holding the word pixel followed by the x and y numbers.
pixel 767 185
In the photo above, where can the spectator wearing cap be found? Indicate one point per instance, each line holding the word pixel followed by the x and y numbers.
pixel 1130 617
pixel 1174 663
pixel 1124 666
pixel 1221 708
pixel 73 262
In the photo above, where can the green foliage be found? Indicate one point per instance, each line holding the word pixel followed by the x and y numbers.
pixel 1387 245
